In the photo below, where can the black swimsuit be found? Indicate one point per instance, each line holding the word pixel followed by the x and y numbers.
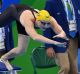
pixel 13 13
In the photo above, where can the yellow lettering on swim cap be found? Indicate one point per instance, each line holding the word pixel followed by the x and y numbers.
pixel 43 15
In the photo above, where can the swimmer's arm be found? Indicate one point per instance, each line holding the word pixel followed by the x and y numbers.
pixel 57 28
pixel 34 35
pixel 28 24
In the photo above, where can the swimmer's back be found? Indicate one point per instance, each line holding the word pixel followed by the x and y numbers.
pixel 20 9
pixel 13 13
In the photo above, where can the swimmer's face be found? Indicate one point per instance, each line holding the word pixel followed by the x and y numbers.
pixel 43 24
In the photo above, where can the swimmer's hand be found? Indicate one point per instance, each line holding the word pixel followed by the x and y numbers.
pixel 61 44
pixel 61 36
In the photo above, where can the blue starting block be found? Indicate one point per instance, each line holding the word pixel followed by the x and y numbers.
pixel 5 70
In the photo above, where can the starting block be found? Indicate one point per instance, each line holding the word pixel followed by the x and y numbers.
pixel 4 70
